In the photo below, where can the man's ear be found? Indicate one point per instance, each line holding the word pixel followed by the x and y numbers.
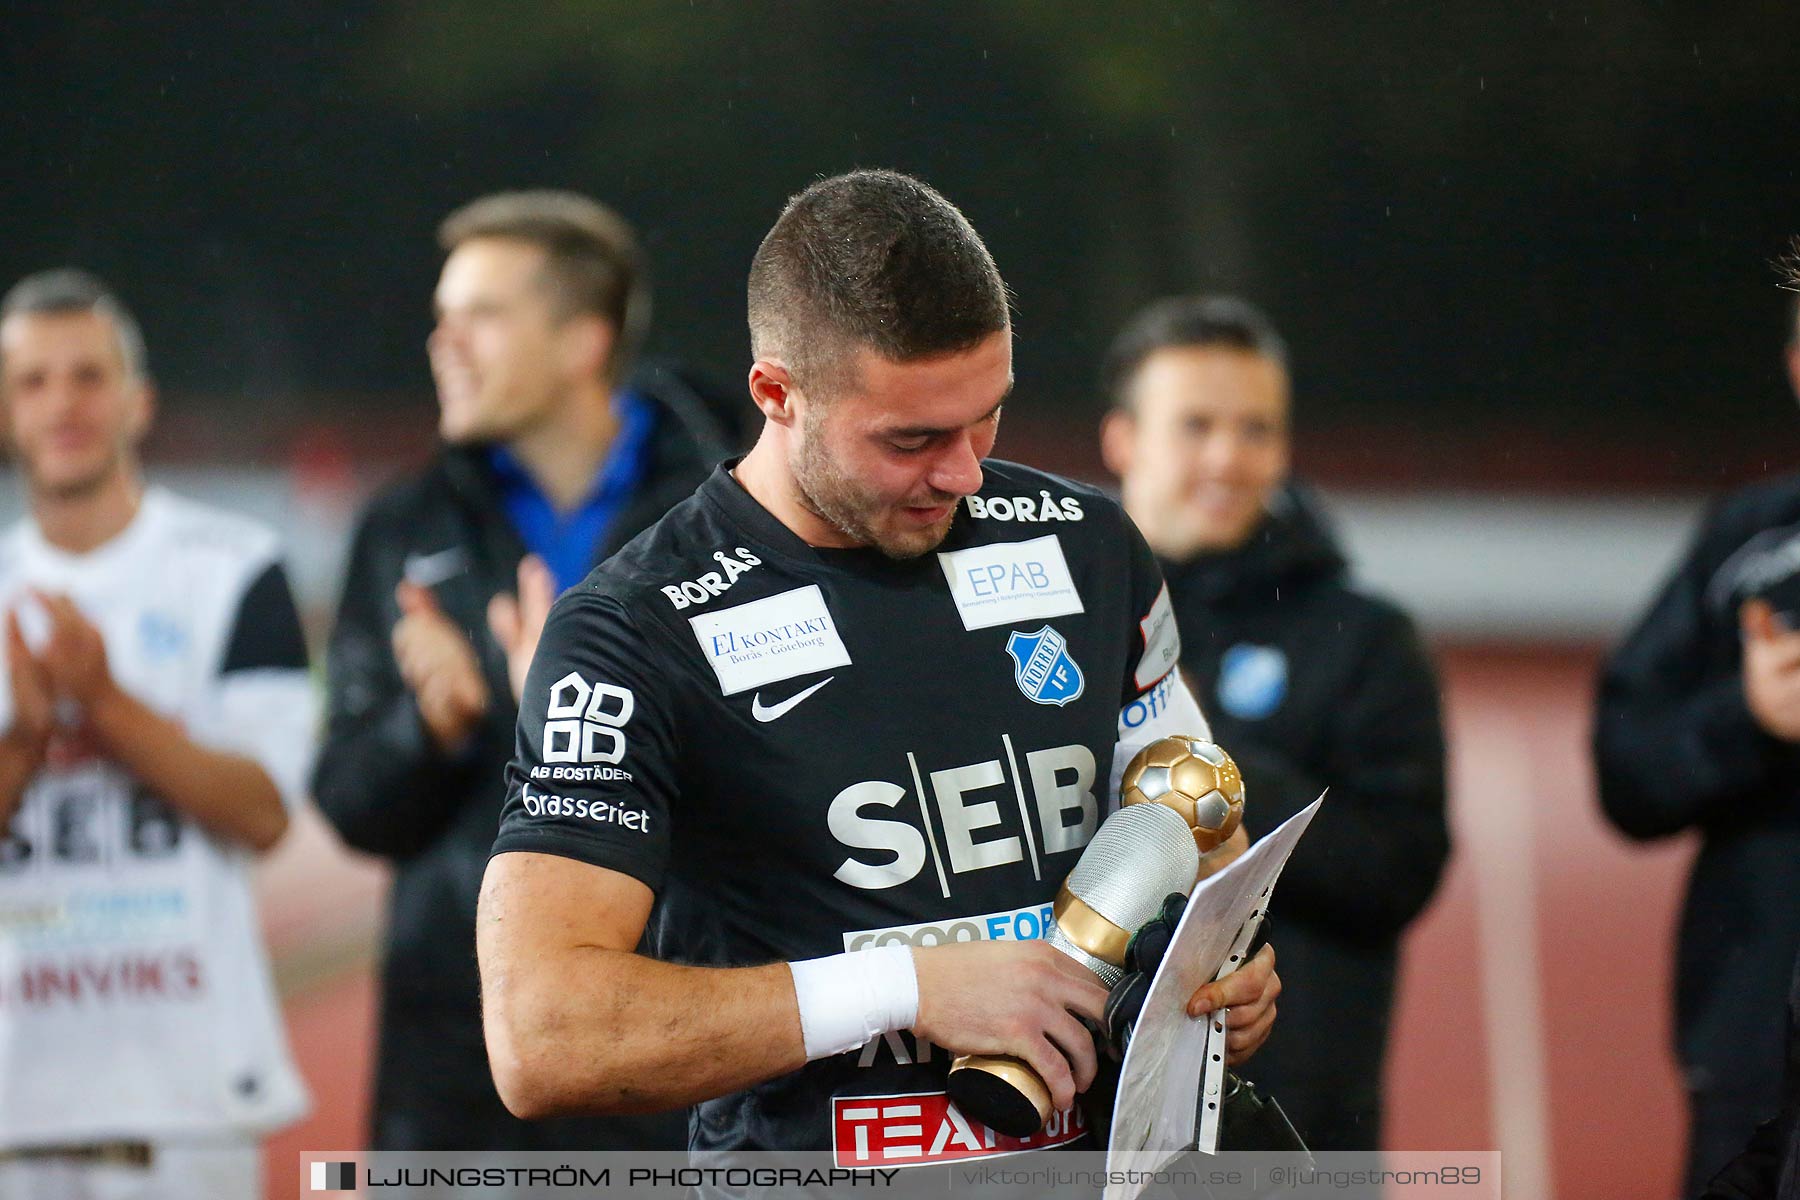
pixel 143 411
pixel 587 343
pixel 1118 440
pixel 772 389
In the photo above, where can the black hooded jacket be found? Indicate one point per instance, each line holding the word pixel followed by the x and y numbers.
pixel 1311 685
pixel 390 791
pixel 1678 749
pixel 1769 1167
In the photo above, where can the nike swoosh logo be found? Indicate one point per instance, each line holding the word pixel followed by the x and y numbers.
pixel 776 711
pixel 429 570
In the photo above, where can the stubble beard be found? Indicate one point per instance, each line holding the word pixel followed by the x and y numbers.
pixel 833 496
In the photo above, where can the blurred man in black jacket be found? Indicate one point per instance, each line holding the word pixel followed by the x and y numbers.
pixel 1309 684
pixel 552 450
pixel 1768 1168
pixel 1699 728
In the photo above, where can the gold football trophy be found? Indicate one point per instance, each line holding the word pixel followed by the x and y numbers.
pixel 1180 797
pixel 1194 777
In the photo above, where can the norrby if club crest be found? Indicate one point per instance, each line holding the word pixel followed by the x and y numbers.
pixel 1042 667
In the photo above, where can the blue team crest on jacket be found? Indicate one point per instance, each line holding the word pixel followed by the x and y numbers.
pixel 1252 680
pixel 1042 667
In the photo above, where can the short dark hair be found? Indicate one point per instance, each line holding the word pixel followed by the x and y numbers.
pixel 72 290
pixel 875 259
pixel 1181 321
pixel 592 261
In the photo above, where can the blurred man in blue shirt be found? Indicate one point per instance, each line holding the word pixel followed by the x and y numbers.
pixel 555 453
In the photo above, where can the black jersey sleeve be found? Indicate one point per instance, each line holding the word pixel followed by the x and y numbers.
pixel 1155 642
pixel 266 633
pixel 593 774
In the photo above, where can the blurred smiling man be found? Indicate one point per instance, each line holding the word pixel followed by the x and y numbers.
pixel 158 726
pixel 1200 439
pixel 557 448
pixel 1309 683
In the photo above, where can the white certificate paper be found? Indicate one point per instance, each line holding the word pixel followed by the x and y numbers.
pixel 1159 1085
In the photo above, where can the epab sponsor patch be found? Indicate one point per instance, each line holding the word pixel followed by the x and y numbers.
pixel 1010 581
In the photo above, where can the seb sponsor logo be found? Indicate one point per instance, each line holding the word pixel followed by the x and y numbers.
pixel 583 808
pixel 966 818
pixel 713 583
pixel 925 1127
pixel 1044 507
pixel 1010 582
pixel 778 637
pixel 90 817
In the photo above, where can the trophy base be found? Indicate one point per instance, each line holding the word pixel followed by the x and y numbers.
pixel 999 1091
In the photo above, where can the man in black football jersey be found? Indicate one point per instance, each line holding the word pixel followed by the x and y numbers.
pixel 849 771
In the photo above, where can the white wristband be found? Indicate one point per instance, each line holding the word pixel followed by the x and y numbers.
pixel 846 1000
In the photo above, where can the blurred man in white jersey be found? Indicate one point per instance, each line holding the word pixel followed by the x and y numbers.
pixel 158 725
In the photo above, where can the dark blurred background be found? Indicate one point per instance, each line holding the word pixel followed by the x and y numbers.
pixel 1524 245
